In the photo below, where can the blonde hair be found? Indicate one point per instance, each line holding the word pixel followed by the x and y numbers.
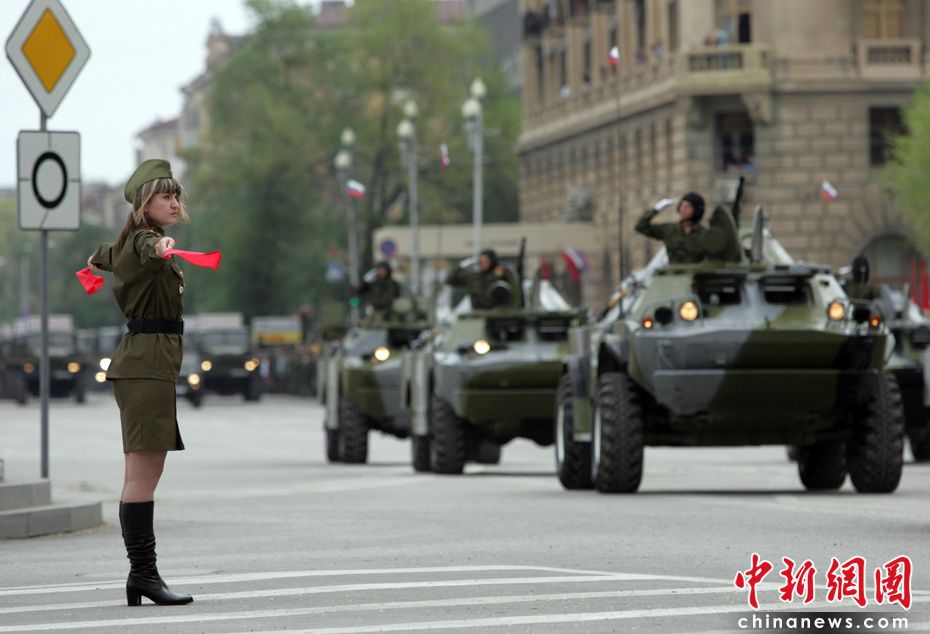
pixel 138 218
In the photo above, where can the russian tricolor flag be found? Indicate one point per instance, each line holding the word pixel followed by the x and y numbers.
pixel 576 263
pixel 444 156
pixel 614 56
pixel 828 192
pixel 355 189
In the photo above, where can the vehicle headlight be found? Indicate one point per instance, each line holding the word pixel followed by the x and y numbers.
pixel 29 368
pixel 100 377
pixel 875 321
pixel 647 323
pixel 689 311
pixel 836 311
pixel 250 365
pixel 206 366
pixel 381 354
pixel 481 347
pixel 74 367
pixel 105 363
pixel 193 380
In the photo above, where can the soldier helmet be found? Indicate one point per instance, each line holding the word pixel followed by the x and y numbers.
pixel 386 267
pixel 860 270
pixel 491 255
pixel 697 201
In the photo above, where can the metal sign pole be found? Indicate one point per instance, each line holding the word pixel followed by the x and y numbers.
pixel 44 375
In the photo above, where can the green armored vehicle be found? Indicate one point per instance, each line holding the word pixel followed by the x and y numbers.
pixel 488 377
pixel 360 381
pixel 910 364
pixel 749 349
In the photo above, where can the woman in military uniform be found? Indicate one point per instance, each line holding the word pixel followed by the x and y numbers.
pixel 145 366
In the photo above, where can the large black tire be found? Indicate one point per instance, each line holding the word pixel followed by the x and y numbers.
pixel 572 458
pixel 875 453
pixel 920 443
pixel 487 452
pixel 822 466
pixel 419 453
pixel 332 445
pixel 449 442
pixel 195 397
pixel 253 389
pixel 619 436
pixel 353 433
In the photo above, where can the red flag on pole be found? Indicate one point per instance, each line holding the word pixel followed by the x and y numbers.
pixel 444 156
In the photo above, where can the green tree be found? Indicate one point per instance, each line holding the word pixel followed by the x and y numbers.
pixel 265 187
pixel 906 172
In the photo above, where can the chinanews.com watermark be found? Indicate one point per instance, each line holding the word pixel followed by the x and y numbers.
pixel 822 622
pixel 849 583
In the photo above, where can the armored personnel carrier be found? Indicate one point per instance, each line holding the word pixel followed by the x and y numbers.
pixel 489 376
pixel 360 380
pixel 749 348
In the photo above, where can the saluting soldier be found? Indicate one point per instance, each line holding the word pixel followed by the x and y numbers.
pixel 479 284
pixel 146 364
pixel 859 286
pixel 382 291
pixel 683 238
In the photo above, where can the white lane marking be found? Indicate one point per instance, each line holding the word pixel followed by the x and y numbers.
pixel 292 592
pixel 298 574
pixel 536 619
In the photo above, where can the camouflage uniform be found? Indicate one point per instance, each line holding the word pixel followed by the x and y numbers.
pixel 681 247
pixel 381 294
pixel 478 284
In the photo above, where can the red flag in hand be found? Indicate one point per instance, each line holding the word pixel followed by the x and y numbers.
pixel 91 283
pixel 209 260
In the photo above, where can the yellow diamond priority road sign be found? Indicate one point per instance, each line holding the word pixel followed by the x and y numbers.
pixel 47 51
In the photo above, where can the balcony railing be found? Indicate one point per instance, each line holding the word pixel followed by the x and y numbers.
pixel 724 69
pixel 889 59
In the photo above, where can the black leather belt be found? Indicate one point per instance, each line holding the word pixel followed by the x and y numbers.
pixel 167 326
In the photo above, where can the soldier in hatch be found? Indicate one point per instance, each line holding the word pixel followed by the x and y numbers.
pixel 382 291
pixel 480 284
pixel 683 239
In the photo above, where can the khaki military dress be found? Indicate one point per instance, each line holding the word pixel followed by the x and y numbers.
pixel 145 366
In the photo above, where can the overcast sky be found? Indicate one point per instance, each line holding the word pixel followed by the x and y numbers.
pixel 141 53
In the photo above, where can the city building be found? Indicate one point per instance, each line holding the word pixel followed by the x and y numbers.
pixel 630 101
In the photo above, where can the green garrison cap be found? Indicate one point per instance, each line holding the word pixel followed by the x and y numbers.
pixel 148 171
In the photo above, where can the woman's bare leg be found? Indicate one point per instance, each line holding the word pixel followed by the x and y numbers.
pixel 143 470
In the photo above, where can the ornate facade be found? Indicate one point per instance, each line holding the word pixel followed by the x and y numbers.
pixel 788 93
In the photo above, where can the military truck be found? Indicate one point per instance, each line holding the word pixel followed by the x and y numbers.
pixel 751 348
pixel 190 379
pixel 228 361
pixel 67 366
pixel 487 377
pixel 360 380
pixel 107 340
pixel 910 364
pixel 12 370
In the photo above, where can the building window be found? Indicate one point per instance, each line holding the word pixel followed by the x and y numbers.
pixel 883 19
pixel 884 125
pixel 672 26
pixel 639 20
pixel 736 142
pixel 540 73
pixel 669 151
pixel 587 60
pixel 563 73
pixel 734 22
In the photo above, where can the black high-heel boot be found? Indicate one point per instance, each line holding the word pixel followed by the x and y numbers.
pixel 139 537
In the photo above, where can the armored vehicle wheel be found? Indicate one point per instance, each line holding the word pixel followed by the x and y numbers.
pixel 487 452
pixel 253 390
pixel 196 398
pixel 920 445
pixel 419 450
pixel 618 435
pixel 449 446
pixel 353 433
pixel 332 445
pixel 875 453
pixel 572 459
pixel 822 466
pixel 80 396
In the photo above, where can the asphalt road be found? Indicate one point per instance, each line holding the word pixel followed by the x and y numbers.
pixel 269 538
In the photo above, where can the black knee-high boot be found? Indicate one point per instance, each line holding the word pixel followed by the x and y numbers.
pixel 139 537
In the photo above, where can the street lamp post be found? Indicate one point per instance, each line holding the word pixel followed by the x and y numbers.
pixel 473 113
pixel 407 134
pixel 343 164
